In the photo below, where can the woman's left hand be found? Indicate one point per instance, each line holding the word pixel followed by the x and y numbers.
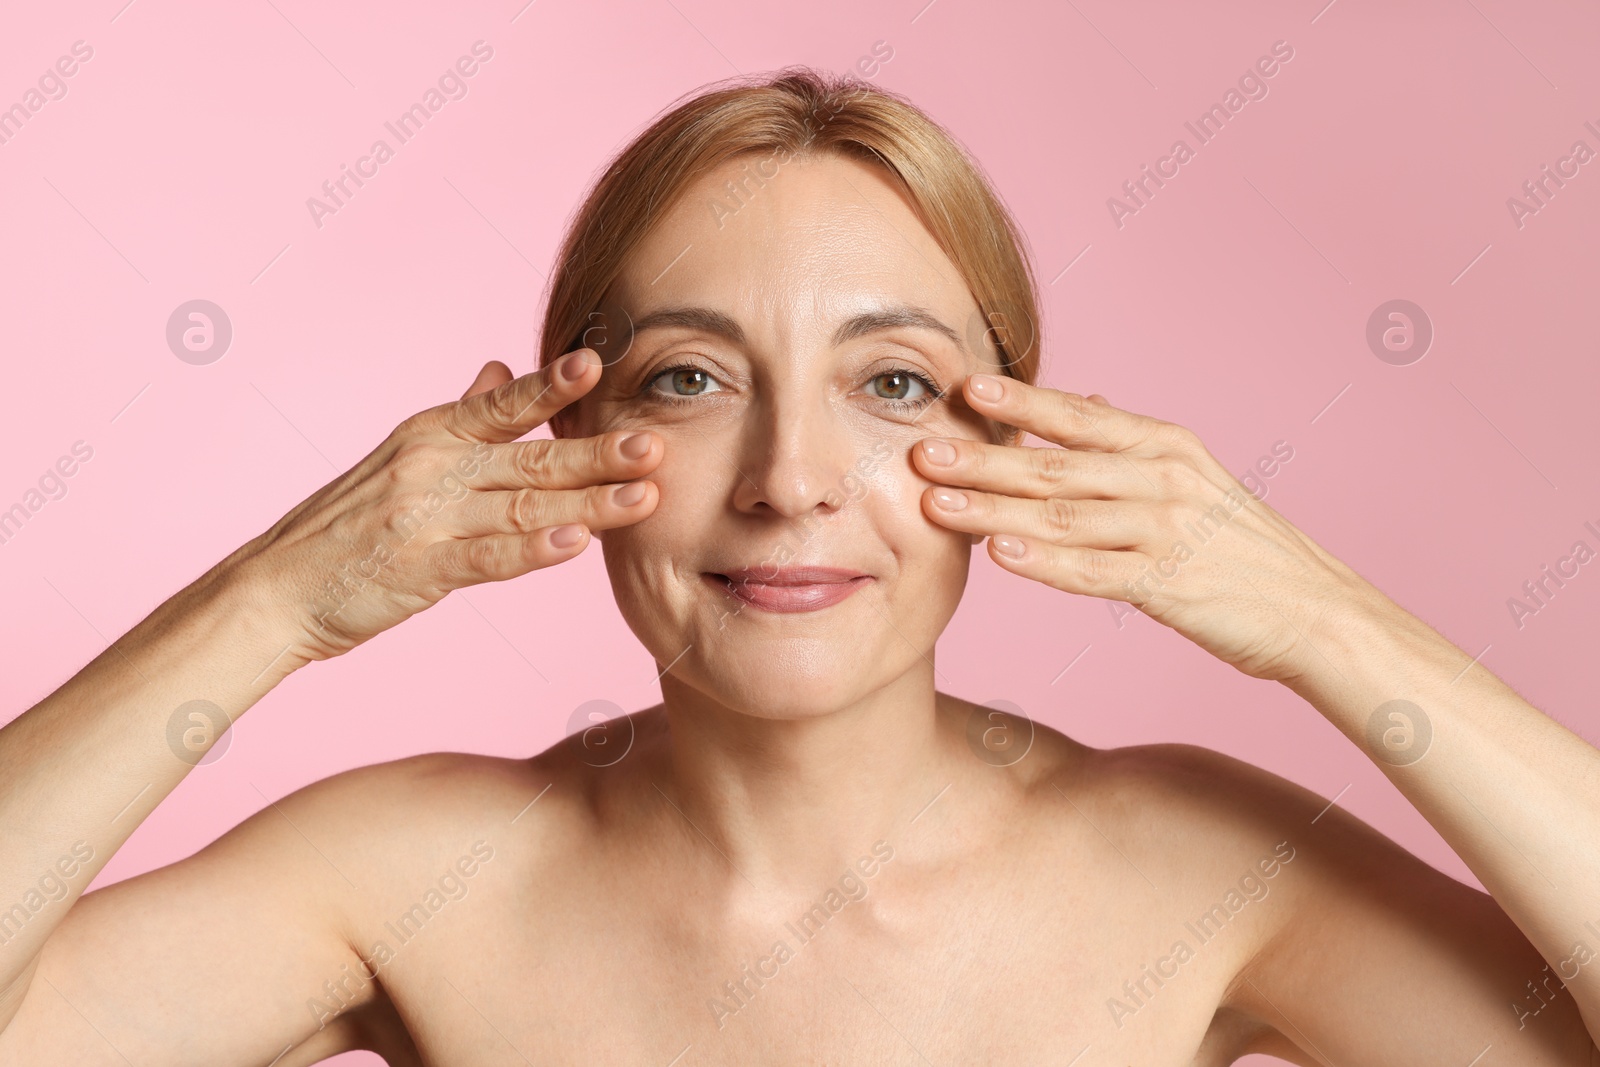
pixel 1135 509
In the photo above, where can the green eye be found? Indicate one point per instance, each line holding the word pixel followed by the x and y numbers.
pixel 897 385
pixel 905 388
pixel 681 382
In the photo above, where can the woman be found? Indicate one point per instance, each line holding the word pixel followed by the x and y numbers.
pixel 788 362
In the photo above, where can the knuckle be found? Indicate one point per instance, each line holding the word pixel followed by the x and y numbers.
pixel 503 403
pixel 524 511
pixel 1051 465
pixel 1171 515
pixel 406 516
pixel 1175 437
pixel 1096 569
pixel 1061 515
pixel 412 460
pixel 479 556
pixel 416 425
pixel 1176 477
pixel 1070 409
pixel 533 461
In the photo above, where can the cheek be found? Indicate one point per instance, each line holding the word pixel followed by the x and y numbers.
pixel 692 487
pixel 891 494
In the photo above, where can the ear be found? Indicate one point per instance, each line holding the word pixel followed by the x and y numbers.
pixel 976 538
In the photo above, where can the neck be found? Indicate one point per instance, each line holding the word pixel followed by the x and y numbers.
pixel 789 801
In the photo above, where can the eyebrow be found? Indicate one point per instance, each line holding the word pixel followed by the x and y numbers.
pixel 886 318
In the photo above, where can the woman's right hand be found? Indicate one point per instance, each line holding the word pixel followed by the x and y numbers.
pixel 450 499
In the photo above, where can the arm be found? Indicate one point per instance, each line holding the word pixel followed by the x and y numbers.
pixel 1135 509
pixel 86 765
pixel 1514 793
pixel 433 508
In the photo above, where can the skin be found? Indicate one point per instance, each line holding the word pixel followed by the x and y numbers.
pixel 999 890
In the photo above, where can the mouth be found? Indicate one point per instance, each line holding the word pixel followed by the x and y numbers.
pixel 788 589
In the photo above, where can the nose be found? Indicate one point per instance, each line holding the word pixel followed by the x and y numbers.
pixel 795 455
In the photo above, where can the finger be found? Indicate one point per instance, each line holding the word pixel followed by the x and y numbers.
pixel 1110 575
pixel 510 410
pixel 522 511
pixel 1067 419
pixel 494 373
pixel 570 463
pixel 1016 470
pixel 496 557
pixel 1059 520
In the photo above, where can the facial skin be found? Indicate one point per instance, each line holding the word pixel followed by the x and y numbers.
pixel 784 448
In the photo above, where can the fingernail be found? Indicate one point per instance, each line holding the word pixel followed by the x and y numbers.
pixel 939 453
pixel 625 496
pixel 1009 546
pixel 988 387
pixel 950 499
pixel 566 536
pixel 635 447
pixel 572 366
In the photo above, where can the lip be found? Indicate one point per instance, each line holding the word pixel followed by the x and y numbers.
pixel 789 589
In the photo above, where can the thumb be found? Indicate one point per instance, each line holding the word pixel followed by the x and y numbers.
pixel 493 375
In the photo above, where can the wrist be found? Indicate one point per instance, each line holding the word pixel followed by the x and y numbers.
pixel 236 604
pixel 1353 638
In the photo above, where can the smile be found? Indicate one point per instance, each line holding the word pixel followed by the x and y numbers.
pixel 791 589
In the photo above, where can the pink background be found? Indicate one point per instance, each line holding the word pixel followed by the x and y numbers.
pixel 1235 302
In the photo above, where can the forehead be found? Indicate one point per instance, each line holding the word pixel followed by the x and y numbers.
pixel 793 247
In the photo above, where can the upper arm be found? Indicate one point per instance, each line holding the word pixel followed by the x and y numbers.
pixel 1384 961
pixel 223 957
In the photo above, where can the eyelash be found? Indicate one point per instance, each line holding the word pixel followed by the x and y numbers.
pixel 933 391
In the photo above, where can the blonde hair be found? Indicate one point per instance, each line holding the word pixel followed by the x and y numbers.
pixel 794 112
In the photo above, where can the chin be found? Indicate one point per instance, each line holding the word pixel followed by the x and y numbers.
pixel 793 679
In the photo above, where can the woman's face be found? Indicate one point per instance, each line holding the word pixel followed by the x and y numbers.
pixel 784 347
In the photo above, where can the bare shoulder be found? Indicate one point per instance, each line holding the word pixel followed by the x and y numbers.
pixel 1200 821
pixel 417 812
pixel 1298 895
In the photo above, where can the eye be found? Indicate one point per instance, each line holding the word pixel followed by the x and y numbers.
pixel 682 381
pixel 904 388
